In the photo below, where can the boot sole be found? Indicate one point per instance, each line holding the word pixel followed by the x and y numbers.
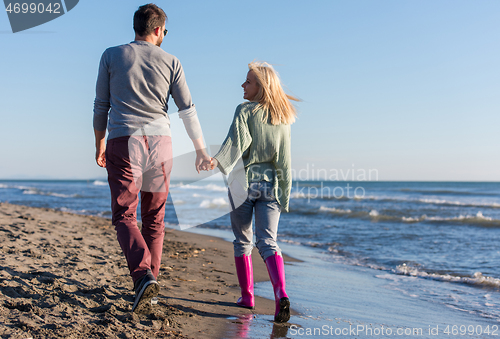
pixel 284 314
pixel 243 305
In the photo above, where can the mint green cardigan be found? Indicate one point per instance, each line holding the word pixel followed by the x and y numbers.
pixel 264 148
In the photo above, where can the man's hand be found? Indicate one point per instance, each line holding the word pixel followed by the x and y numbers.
pixel 100 147
pixel 100 158
pixel 203 161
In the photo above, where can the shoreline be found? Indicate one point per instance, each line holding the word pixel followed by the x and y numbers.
pixel 63 275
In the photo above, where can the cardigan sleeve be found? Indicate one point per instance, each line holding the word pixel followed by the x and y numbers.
pixel 238 140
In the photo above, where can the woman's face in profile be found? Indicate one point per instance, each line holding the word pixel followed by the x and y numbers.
pixel 250 86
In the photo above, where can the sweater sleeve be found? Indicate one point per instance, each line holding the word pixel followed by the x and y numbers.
pixel 182 98
pixel 284 172
pixel 101 102
pixel 238 140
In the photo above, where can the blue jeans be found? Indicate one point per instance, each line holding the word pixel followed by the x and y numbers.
pixel 267 215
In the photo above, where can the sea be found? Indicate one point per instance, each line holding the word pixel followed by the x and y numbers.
pixel 434 242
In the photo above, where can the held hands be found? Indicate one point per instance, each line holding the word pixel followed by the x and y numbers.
pixel 204 162
pixel 213 163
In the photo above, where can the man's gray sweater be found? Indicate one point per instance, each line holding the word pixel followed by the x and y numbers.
pixel 133 87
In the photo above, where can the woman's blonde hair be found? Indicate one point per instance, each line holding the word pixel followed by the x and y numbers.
pixel 271 96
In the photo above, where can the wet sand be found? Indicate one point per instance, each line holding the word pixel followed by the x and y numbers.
pixel 63 275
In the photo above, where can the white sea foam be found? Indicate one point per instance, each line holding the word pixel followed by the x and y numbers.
pixel 479 217
pixel 69 210
pixel 209 187
pixel 188 187
pixel 476 279
pixel 301 195
pixel 430 201
pixel 214 203
pixel 213 187
pixel 100 183
pixel 21 187
pixel 60 195
pixel 105 214
pixel 373 213
pixel 4 186
pixel 290 241
pixel 334 210
pixel 35 191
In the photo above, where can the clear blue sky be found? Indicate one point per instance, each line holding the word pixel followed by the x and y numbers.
pixel 409 88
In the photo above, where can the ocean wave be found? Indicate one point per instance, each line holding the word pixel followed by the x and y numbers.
pixel 19 187
pixel 430 201
pixel 477 219
pixel 105 214
pixel 214 203
pixel 293 242
pixel 213 187
pixel 209 187
pixel 334 210
pixel 317 196
pixel 100 183
pixel 31 191
pixel 69 210
pixel 448 192
pixel 477 279
pixel 36 191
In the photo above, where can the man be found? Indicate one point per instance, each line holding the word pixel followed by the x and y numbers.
pixel 133 87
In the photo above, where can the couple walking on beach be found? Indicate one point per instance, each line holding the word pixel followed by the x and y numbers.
pixel 134 84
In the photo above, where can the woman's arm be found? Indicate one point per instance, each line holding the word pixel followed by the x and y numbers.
pixel 237 142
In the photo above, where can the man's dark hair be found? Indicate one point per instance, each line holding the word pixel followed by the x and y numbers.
pixel 147 18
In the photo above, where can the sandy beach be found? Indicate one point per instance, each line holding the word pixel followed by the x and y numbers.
pixel 63 275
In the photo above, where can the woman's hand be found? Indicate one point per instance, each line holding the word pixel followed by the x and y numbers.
pixel 213 163
pixel 203 161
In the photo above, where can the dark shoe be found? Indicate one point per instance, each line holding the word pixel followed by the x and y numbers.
pixel 145 289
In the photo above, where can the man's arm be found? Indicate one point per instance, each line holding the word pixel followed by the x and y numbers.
pixel 187 112
pixel 100 147
pixel 101 109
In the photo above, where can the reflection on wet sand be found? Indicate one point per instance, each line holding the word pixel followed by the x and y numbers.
pixel 255 326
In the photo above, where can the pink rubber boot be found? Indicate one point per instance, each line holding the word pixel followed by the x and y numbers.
pixel 244 270
pixel 276 270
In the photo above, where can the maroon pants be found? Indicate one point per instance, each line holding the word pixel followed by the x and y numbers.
pixel 139 164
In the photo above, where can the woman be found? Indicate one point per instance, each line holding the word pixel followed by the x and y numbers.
pixel 260 137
